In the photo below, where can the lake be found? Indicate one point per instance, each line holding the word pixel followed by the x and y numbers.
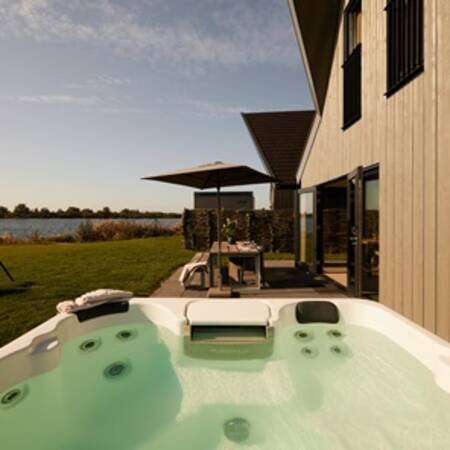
pixel 22 228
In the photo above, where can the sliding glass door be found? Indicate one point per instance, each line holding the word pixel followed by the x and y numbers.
pixel 333 209
pixel 354 229
pixel 339 231
pixel 308 229
pixel 370 234
pixel 363 232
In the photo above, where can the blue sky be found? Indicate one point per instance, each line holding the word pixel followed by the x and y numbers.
pixel 96 94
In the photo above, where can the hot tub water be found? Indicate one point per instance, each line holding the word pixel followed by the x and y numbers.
pixel 324 386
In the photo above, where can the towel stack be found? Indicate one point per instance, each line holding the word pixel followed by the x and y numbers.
pixel 248 246
pixel 189 270
pixel 94 298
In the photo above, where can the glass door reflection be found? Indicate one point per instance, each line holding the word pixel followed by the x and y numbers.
pixel 370 235
pixel 307 231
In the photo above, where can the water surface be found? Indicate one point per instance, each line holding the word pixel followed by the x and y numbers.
pixel 368 394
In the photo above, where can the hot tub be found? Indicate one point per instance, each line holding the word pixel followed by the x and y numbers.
pixel 171 374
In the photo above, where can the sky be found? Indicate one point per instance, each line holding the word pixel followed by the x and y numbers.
pixel 95 95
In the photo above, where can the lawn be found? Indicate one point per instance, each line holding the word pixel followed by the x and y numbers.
pixel 47 274
pixel 279 256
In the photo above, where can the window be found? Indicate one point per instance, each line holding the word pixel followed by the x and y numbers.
pixel 404 42
pixel 352 63
pixel 353 27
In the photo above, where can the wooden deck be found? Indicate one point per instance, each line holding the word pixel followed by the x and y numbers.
pixel 283 280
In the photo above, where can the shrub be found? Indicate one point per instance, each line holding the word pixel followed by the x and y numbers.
pixel 8 239
pixel 176 229
pixel 86 232
pixel 121 230
pixel 110 230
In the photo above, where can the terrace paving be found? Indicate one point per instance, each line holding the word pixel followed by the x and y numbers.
pixel 283 280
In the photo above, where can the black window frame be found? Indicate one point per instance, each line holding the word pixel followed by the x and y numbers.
pixel 352 68
pixel 404 43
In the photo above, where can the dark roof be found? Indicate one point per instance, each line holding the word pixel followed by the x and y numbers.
pixel 318 23
pixel 280 138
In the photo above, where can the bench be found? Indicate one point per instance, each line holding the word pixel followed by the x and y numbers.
pixel 236 270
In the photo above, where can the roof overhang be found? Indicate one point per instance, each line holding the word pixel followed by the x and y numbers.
pixel 280 138
pixel 261 154
pixel 316 25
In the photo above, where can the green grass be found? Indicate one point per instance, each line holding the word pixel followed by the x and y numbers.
pixel 47 274
pixel 335 256
pixel 279 256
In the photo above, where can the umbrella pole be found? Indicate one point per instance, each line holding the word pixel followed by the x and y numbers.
pixel 219 235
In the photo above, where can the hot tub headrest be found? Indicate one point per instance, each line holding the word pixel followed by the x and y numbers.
pixel 104 309
pixel 317 311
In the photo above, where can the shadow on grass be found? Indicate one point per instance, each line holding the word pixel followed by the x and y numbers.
pixel 16 288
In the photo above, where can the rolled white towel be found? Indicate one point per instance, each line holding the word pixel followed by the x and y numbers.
pixel 67 306
pixel 102 296
pixel 188 270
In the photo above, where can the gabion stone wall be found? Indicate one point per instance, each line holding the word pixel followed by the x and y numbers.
pixel 274 230
pixel 335 231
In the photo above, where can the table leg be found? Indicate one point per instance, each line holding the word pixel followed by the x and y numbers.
pixel 211 271
pixel 263 274
pixel 258 270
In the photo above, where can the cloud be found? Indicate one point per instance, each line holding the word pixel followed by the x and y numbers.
pixel 100 82
pixel 121 109
pixel 180 33
pixel 94 104
pixel 114 105
pixel 59 100
pixel 204 108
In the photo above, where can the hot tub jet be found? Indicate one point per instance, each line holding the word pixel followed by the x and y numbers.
pixel 237 429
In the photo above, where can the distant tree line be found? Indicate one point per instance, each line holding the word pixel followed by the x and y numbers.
pixel 22 211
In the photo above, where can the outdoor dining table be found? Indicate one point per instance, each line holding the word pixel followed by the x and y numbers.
pixel 238 250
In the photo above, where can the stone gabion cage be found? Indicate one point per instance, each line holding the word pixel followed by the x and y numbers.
pixel 273 230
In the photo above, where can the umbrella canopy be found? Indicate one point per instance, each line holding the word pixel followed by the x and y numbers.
pixel 214 175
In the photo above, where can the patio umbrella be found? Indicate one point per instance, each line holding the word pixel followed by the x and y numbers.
pixel 215 175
